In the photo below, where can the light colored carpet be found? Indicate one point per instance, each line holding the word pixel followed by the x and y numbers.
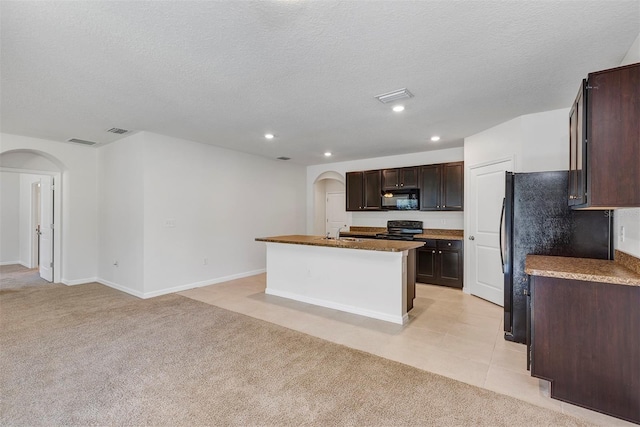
pixel 90 355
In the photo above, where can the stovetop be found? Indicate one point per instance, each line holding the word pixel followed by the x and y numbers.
pixel 401 230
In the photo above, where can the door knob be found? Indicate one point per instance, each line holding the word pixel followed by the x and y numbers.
pixel 472 238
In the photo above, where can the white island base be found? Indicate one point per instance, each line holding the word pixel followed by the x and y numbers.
pixel 370 283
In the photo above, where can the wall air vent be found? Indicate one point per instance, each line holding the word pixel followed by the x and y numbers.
pixel 388 97
pixel 284 158
pixel 118 130
pixel 82 141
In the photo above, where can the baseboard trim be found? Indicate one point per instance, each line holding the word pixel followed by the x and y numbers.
pixel 12 263
pixel 125 289
pixel 400 320
pixel 152 294
pixel 202 283
pixel 75 282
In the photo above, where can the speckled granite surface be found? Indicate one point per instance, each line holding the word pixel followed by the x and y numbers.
pixel 590 270
pixel 364 244
pixel 629 261
pixel 436 233
pixel 428 233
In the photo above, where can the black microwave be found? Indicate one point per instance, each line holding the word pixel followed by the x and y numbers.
pixel 401 200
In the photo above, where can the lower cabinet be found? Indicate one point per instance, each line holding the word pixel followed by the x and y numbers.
pixel 439 262
pixel 585 340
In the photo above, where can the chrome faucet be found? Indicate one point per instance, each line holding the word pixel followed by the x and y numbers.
pixel 338 233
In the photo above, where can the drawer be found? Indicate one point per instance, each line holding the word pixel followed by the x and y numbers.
pixel 428 243
pixel 449 244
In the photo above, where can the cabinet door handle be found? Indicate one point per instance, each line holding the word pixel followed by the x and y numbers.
pixel 439 252
pixel 433 252
pixel 438 206
pixel 402 185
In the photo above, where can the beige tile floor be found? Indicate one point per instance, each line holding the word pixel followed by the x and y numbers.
pixel 449 333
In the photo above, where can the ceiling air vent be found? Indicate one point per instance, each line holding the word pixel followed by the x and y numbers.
pixel 82 141
pixel 118 130
pixel 388 97
pixel 284 158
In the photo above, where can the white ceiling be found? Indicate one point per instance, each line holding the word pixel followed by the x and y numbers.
pixel 225 73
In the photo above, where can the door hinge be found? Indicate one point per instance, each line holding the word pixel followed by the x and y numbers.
pixel 52 226
pixel 51 264
pixel 53 187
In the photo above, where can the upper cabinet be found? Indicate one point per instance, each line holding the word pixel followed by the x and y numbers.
pixel 363 191
pixel 442 187
pixel 605 140
pixel 395 179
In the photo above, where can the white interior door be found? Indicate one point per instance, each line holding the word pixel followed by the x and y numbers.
pixel 336 213
pixel 486 190
pixel 46 228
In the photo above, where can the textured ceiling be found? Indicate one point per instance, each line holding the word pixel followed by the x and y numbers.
pixel 225 73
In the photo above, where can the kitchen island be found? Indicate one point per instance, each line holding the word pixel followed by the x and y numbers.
pixel 368 277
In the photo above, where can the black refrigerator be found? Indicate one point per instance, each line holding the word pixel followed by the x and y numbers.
pixel 536 219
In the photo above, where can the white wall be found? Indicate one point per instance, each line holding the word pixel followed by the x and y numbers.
pixel 536 142
pixel 121 214
pixel 448 220
pixel 218 200
pixel 629 218
pixel 9 218
pixel 77 260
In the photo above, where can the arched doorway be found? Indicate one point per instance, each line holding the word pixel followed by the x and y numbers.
pixel 32 182
pixel 329 203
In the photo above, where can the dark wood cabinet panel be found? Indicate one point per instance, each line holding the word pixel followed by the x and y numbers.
pixel 442 187
pixel 355 191
pixel 430 177
pixel 453 186
pixel 584 339
pixel 610 139
pixel 372 195
pixel 426 265
pixel 440 262
pixel 577 159
pixel 363 191
pixel 395 179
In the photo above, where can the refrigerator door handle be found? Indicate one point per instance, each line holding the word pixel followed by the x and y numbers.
pixel 502 235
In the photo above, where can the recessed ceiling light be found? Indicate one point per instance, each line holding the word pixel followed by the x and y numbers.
pixel 269 135
pixel 398 108
pixel 327 154
pixel 435 138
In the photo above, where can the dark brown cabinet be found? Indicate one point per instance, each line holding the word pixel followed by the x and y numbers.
pixel 394 179
pixel 577 159
pixel 442 187
pixel 584 339
pixel 439 262
pixel 605 140
pixel 363 191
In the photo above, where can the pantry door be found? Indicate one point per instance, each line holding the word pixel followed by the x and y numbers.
pixel 484 202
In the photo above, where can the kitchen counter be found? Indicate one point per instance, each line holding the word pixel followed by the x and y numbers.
pixel 620 272
pixel 362 244
pixel 428 233
pixel 368 277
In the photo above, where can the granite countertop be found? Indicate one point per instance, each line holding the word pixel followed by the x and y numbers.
pixel 364 244
pixel 428 233
pixel 619 272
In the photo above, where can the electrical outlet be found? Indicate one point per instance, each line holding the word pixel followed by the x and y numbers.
pixel 443 221
pixel 205 261
pixel 170 222
pixel 115 263
pixel 621 234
